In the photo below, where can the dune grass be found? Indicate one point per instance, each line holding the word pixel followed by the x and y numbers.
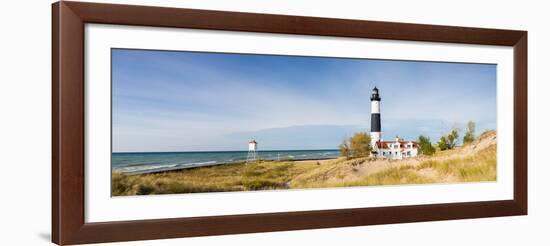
pixel 263 175
pixel 330 175
pixel 475 168
pixel 444 167
pixel 479 167
pixel 390 176
pixel 395 176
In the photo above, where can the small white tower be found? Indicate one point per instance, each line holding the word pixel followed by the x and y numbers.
pixel 252 151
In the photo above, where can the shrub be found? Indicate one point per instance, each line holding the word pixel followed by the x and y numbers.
pixel 356 146
pixel 360 145
pixel 449 141
pixel 145 189
pixel 425 146
pixel 452 138
pixel 470 133
pixel 442 144
pixel 262 184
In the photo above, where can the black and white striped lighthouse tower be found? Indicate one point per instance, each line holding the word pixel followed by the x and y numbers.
pixel 375 132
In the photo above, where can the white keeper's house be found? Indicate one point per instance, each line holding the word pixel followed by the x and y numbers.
pixel 396 149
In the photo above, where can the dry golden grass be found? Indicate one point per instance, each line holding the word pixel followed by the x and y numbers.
pixel 231 177
pixel 478 167
pixel 475 168
pixel 471 163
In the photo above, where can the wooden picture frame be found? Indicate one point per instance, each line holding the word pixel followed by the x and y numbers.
pixel 68 122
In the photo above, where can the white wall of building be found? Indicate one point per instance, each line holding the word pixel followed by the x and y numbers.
pixel 397 150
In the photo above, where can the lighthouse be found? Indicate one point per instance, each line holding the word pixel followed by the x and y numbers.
pixel 375 132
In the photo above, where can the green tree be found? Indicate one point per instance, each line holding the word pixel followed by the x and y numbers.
pixel 356 146
pixel 449 141
pixel 360 145
pixel 469 136
pixel 425 145
pixel 452 138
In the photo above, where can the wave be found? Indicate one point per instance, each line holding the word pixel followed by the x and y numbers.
pixel 148 167
pixel 199 163
pixel 136 168
pixel 143 164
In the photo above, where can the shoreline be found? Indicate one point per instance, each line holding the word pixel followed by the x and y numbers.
pixel 182 168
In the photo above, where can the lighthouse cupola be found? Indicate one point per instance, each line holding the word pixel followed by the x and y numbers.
pixel 375 96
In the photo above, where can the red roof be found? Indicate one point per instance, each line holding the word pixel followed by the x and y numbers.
pixel 384 144
pixel 253 141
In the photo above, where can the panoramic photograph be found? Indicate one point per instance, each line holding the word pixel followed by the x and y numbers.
pixel 194 122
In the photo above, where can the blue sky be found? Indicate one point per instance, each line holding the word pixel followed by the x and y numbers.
pixel 194 101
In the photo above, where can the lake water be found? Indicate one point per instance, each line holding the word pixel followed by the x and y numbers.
pixel 162 161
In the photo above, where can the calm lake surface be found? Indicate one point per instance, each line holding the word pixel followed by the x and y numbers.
pixel 162 161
